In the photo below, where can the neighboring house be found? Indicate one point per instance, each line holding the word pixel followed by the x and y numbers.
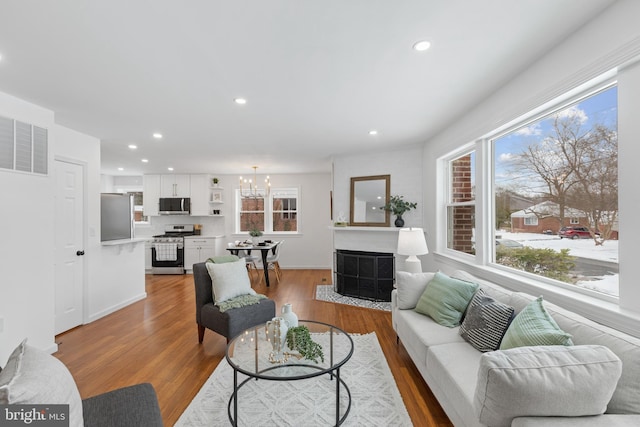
pixel 545 216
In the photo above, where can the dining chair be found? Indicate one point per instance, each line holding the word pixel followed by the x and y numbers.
pixel 249 260
pixel 273 263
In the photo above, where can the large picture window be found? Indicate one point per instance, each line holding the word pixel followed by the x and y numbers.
pixel 551 186
pixel 562 169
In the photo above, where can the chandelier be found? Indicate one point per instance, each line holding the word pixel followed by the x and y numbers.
pixel 249 187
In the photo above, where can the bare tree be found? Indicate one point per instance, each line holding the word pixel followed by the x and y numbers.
pixel 596 171
pixel 578 168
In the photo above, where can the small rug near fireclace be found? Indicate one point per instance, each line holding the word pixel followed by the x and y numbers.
pixel 326 293
pixel 375 399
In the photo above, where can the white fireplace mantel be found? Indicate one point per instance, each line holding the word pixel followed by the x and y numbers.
pixel 372 239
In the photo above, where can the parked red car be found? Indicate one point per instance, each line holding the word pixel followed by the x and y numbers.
pixel 575 233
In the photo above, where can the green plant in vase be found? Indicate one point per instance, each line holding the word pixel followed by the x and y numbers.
pixel 255 234
pixel 398 206
pixel 299 339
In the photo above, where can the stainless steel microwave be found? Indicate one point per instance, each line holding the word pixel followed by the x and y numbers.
pixel 175 206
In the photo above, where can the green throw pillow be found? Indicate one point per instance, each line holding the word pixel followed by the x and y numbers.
pixel 534 326
pixel 445 299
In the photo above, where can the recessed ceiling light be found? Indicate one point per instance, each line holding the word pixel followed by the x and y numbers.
pixel 145 160
pixel 422 45
pixel 157 135
pixel 373 132
pixel 240 101
pixel 120 169
pixel 133 146
pixel 170 169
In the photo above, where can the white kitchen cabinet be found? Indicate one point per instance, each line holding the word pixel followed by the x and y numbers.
pixel 200 195
pixel 151 194
pixel 147 257
pixel 175 185
pixel 199 249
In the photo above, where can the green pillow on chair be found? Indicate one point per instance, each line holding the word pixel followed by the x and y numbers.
pixel 445 299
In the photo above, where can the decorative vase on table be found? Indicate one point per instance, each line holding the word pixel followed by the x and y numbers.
pixel 276 330
pixel 289 316
pixel 255 240
pixel 399 221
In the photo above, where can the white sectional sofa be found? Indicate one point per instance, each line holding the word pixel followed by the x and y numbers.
pixel 461 377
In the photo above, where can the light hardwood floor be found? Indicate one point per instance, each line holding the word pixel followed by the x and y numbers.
pixel 156 341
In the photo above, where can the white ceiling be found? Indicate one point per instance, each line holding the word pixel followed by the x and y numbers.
pixel 318 74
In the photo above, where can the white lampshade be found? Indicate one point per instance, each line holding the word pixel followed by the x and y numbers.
pixel 411 241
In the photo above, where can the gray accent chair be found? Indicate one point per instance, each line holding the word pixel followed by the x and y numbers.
pixel 132 406
pixel 231 322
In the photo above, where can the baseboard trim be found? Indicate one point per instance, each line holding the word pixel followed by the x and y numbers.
pixel 114 308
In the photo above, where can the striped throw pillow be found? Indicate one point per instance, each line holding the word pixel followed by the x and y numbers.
pixel 486 322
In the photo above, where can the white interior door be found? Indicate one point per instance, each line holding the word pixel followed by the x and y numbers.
pixel 69 245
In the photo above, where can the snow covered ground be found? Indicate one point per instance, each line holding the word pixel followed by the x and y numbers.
pixel 583 248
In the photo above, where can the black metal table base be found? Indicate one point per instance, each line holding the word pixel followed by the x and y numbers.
pixel 233 414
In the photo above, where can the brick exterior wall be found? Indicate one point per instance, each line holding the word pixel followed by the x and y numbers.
pixel 462 218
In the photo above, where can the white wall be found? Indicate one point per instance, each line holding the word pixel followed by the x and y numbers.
pixel 610 40
pixel 312 248
pixel 403 164
pixel 26 250
pixel 114 275
pixel 405 167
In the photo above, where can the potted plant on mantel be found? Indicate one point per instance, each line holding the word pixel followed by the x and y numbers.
pixel 398 206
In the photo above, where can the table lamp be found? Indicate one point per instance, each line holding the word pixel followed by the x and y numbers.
pixel 411 242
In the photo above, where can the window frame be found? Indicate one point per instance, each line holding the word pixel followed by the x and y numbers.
pixel 485 194
pixel 268 211
pixel 448 197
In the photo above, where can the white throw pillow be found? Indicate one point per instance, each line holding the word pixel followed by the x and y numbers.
pixel 229 280
pixel 33 377
pixel 410 287
pixel 545 381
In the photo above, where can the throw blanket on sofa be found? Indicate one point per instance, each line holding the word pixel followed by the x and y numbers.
pixel 240 301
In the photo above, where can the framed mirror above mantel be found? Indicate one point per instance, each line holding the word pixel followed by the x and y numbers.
pixel 368 195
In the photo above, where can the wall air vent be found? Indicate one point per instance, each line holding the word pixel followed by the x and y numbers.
pixel 23 147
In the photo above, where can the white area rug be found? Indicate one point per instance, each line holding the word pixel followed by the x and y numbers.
pixel 326 293
pixel 375 399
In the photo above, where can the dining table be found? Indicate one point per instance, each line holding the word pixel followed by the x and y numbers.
pixel 263 247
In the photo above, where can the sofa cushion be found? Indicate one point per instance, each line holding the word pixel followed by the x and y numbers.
pixel 495 291
pixel 607 420
pixel 534 326
pixel 445 299
pixel 410 287
pixel 453 368
pixel 32 376
pixel 229 280
pixel 626 399
pixel 546 381
pixel 485 322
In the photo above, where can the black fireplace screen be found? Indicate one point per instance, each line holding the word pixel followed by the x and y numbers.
pixel 367 275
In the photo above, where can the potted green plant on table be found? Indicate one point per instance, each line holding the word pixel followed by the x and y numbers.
pixel 299 339
pixel 398 206
pixel 255 234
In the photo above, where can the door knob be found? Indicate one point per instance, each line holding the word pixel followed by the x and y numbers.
pixel 80 253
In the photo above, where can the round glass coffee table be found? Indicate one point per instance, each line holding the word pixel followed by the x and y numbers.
pixel 250 353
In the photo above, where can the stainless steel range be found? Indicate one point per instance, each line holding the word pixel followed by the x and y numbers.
pixel 167 250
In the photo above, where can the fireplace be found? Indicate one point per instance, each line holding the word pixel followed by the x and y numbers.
pixel 366 275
